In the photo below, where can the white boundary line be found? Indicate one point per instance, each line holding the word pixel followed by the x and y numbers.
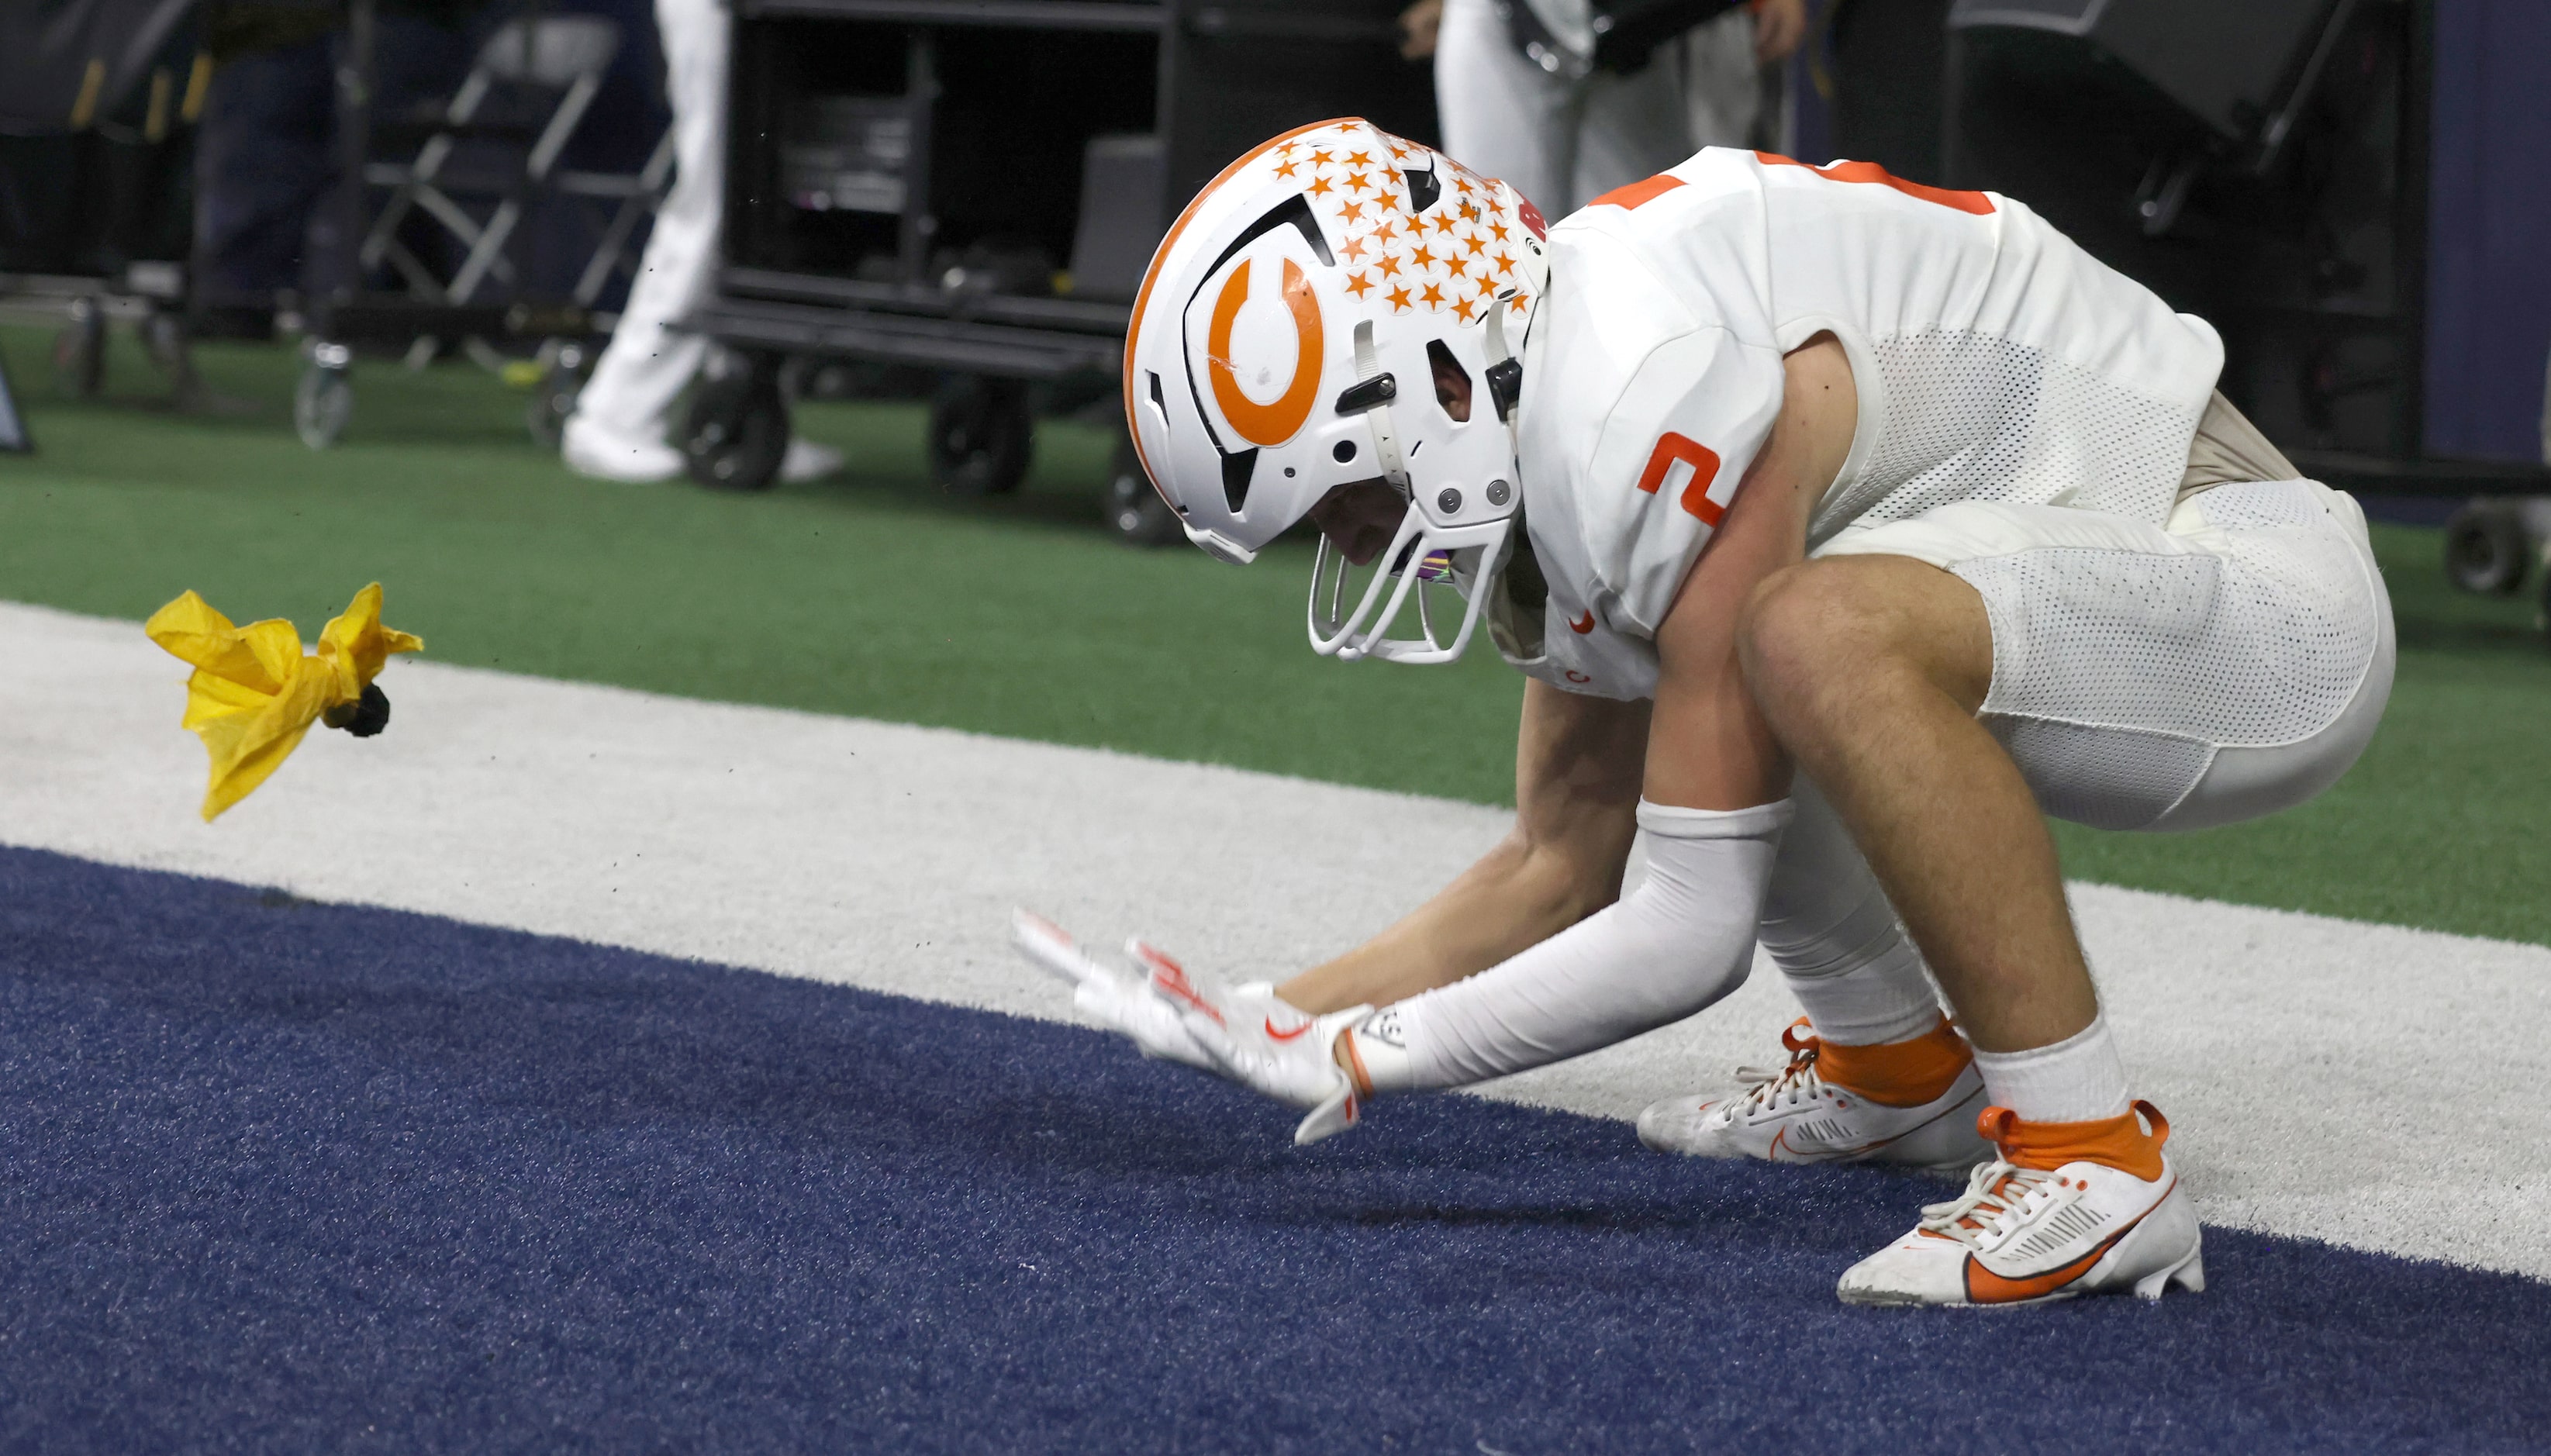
pixel 2369 1085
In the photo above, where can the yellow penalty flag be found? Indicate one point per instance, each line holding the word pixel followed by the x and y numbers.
pixel 253 694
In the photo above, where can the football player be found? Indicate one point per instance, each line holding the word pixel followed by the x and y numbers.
pixel 1843 526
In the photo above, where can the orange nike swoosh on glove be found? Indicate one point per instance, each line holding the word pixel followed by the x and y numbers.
pixel 1285 1035
pixel 1583 624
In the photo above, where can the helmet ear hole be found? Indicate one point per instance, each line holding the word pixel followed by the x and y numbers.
pixel 1423 189
pixel 1452 381
pixel 1237 466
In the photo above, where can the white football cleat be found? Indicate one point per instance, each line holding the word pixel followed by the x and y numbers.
pixel 808 460
pixel 600 454
pixel 1792 1115
pixel 2022 1236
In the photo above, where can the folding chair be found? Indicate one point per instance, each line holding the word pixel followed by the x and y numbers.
pixel 636 197
pixel 474 169
pixel 561 56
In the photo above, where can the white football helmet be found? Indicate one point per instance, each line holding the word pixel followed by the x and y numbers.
pixel 1285 342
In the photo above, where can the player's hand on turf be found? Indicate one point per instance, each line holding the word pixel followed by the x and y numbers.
pixel 1264 1042
pixel 1121 1000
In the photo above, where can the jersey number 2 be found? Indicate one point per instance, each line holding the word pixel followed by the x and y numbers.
pixel 1682 449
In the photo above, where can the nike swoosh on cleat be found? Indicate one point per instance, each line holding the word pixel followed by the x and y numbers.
pixel 1287 1034
pixel 1583 624
pixel 1866 1149
pixel 1984 1287
pixel 1781 1144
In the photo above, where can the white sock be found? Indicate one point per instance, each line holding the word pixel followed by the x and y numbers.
pixel 2077 1080
pixel 1829 928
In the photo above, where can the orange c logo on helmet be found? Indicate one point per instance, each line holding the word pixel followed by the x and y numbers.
pixel 1266 424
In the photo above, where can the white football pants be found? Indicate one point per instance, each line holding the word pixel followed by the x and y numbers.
pixel 1722 86
pixel 1561 144
pixel 648 363
pixel 2222 666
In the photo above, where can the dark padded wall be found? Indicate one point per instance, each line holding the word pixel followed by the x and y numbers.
pixel 2490 230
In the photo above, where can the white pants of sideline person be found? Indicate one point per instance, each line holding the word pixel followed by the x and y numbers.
pixel 616 432
pixel 1560 142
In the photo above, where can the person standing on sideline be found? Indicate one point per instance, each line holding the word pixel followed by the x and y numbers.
pixel 1563 141
pixel 616 432
pixel 1722 72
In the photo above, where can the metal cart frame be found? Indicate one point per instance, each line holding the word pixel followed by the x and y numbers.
pixel 322 400
pixel 986 342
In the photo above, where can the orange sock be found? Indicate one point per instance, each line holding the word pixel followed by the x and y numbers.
pixel 1897 1073
pixel 2118 1142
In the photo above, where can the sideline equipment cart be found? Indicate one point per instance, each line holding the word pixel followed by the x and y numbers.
pixel 973 188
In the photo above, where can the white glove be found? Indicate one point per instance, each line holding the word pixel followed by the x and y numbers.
pixel 1264 1042
pixel 1120 1001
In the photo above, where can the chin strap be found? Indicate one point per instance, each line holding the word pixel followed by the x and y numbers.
pixel 1378 387
pixel 1505 372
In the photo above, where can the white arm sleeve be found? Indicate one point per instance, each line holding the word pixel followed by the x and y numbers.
pixel 1683 939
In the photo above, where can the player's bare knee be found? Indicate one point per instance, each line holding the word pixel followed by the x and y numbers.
pixel 1846 630
pixel 1810 625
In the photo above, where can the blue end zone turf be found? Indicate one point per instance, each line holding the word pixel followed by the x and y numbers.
pixel 284 1175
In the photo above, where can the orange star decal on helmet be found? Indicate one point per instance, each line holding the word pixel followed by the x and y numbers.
pixel 1267 424
pixel 1432 294
pixel 1360 183
pixel 1466 308
pixel 1359 159
pixel 1287 167
pixel 1319 186
pixel 1391 264
pixel 1421 257
pixel 1351 211
pixel 1354 248
pixel 1399 299
pixel 1359 286
pixel 1319 157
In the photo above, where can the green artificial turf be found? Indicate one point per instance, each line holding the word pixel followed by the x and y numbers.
pixel 872 594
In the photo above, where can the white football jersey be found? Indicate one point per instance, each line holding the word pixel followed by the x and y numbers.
pixel 1994 361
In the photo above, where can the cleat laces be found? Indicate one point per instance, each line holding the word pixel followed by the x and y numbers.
pixel 1997 1197
pixel 1771 1087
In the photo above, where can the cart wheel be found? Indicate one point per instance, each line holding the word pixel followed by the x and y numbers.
pixel 980 434
pixel 553 397
pixel 1134 510
pixel 736 432
pixel 79 350
pixel 165 339
pixel 2485 550
pixel 324 400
